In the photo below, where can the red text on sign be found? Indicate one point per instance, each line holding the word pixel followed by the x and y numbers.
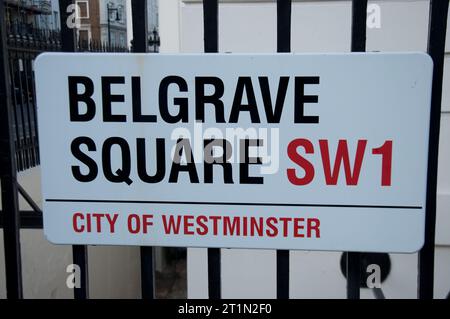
pixel 332 167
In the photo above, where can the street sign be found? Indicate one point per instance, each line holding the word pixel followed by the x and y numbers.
pixel 275 151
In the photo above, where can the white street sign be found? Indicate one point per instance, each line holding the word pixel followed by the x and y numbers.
pixel 276 151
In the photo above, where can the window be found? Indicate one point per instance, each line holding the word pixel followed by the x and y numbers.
pixel 55 20
pixel 82 9
pixel 121 14
pixel 84 37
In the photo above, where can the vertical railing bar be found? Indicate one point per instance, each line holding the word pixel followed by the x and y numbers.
pixel 33 109
pixel 284 8
pixel 353 271
pixel 284 25
pixel 68 38
pixel 358 44
pixel 436 49
pixel 22 114
pixel 140 45
pixel 211 26
pixel 80 258
pixel 8 175
pixel 30 106
pixel 359 22
pixel 147 272
pixel 14 106
pixel 211 45
pixel 79 252
pixel 25 107
pixel 282 274
pixel 214 272
pixel 140 24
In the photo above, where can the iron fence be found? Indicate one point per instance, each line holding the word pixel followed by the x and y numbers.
pixel 23 46
pixel 19 147
pixel 22 49
pixel 98 46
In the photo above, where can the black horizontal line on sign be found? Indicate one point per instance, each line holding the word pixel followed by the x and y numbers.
pixel 225 203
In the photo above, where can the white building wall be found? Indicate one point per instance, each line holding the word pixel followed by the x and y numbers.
pixel 56 25
pixel 169 25
pixel 317 26
pixel 153 15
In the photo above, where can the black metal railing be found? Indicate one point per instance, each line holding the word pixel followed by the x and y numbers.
pixel 24 45
pixel 22 49
pixel 98 46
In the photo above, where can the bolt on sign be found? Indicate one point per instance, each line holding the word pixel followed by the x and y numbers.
pixel 274 151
